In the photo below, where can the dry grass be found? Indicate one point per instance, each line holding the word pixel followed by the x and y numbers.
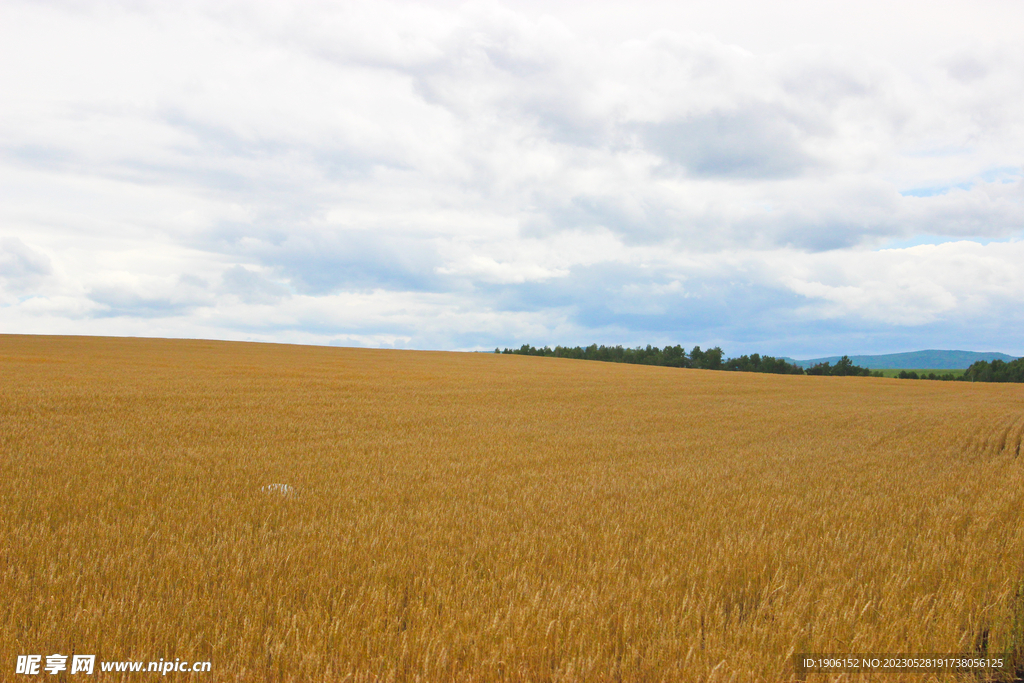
pixel 474 517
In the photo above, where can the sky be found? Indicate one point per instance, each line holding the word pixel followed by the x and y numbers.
pixel 789 178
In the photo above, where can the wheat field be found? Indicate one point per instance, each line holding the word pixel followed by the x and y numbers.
pixel 482 517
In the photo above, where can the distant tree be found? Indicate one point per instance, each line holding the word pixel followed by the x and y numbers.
pixel 843 367
pixel 676 356
pixel 996 371
pixel 820 369
pixel 758 363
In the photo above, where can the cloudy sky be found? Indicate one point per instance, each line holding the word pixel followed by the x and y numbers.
pixel 793 178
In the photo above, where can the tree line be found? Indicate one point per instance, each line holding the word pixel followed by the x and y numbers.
pixel 714 359
pixel 980 371
pixel 996 371
pixel 677 357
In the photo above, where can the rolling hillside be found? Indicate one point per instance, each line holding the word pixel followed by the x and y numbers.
pixel 935 360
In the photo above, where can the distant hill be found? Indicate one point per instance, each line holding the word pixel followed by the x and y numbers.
pixel 932 360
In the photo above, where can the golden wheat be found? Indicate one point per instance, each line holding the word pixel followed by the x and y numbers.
pixel 476 517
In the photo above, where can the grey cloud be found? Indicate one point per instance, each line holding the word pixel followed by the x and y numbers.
pixel 123 302
pixel 561 122
pixel 550 106
pixel 336 159
pixel 759 143
pixel 251 287
pixel 743 307
pixel 329 328
pixel 21 266
pixel 184 295
pixel 38 156
pixel 822 225
pixel 637 223
pixel 988 210
pixel 967 68
pixel 824 235
pixel 807 220
pixel 617 303
pixel 319 264
pixel 828 84
pixel 528 75
pixel 220 139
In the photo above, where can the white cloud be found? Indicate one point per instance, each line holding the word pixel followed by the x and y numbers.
pixel 495 171
pixel 907 287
